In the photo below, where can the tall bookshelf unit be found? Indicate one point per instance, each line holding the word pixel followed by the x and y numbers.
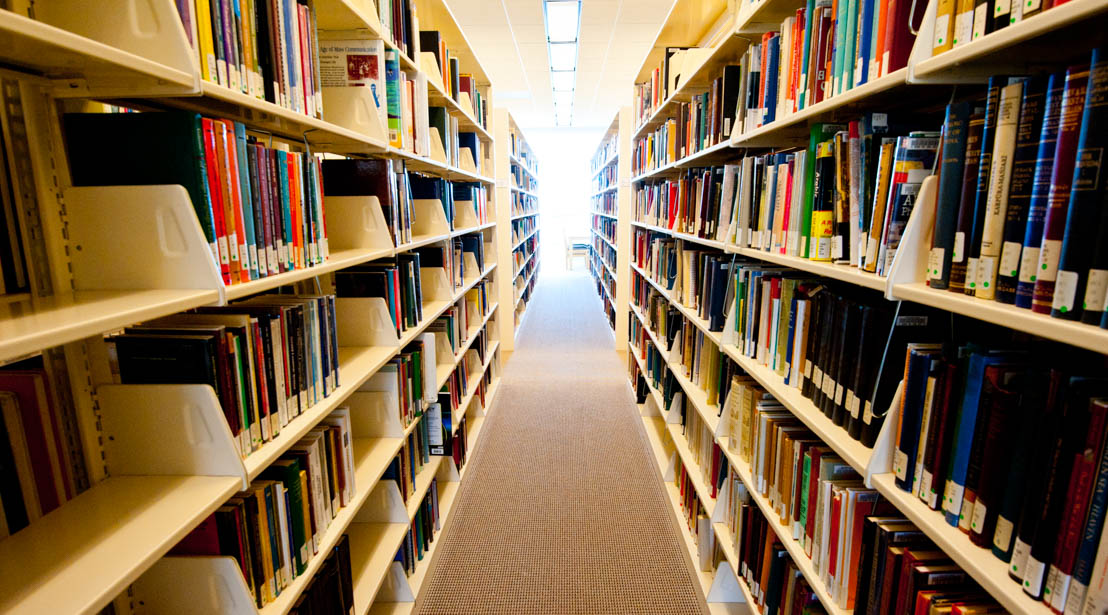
pixel 517 185
pixel 158 458
pixel 724 29
pixel 609 211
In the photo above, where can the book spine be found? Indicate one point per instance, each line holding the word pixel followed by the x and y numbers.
pixel 1065 152
pixel 958 269
pixel 981 190
pixel 1086 207
pixel 955 130
pixel 1019 194
pixel 996 204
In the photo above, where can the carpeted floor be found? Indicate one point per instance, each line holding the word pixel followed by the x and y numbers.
pixel 562 509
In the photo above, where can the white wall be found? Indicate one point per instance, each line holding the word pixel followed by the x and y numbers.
pixel 564 188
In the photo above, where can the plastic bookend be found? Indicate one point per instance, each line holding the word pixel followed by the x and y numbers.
pixel 448 472
pixel 719 513
pixel 383 505
pixel 465 102
pixel 435 285
pixel 730 335
pixel 673 415
pixel 194 586
pixel 465 215
pixel 437 150
pixel 396 587
pixel 429 219
pixel 725 585
pixel 469 266
pixel 175 255
pixel 724 426
pixel 444 353
pixel 149 29
pixel 649 408
pixel 354 109
pixel 925 38
pixel 357 222
pixel 430 366
pixel 167 429
pixel 476 366
pixel 466 161
pixel 881 461
pixel 374 414
pixel 365 321
pixel 429 66
pixel 910 262
pixel 671 468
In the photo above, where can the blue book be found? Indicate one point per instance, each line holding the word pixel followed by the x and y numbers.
pixel 292 41
pixel 865 27
pixel 802 88
pixel 964 429
pixel 773 48
pixel 791 338
pixel 911 412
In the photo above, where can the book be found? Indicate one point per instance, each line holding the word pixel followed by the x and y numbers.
pixel 996 204
pixel 953 162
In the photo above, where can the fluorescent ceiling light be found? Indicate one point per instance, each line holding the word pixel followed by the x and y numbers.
pixel 563 99
pixel 563 116
pixel 562 80
pixel 562 19
pixel 563 56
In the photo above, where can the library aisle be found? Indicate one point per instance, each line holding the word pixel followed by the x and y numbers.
pixel 562 509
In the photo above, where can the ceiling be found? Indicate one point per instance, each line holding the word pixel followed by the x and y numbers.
pixel 509 38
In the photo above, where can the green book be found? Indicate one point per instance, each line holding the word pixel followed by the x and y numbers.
pixel 287 472
pixel 845 71
pixel 818 134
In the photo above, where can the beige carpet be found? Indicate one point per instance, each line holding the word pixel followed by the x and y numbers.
pixel 562 509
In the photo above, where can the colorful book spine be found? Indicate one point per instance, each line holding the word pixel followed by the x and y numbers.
pixel 1065 152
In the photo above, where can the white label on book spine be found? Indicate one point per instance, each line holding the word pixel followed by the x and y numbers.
pixel 977 523
pixel 971 273
pixel 837 247
pixel 1032 5
pixel 1000 7
pixel 1010 258
pixel 856 407
pixel 1061 590
pixel 807 368
pixel 980 20
pixel 828 386
pixel 963 27
pixel 867 416
pixel 942 27
pixel 959 253
pixel 850 402
pixel 1048 260
pixel 1065 291
pixel 871 251
pixel 935 263
pixel 1029 260
pixel 986 275
pixel 1020 554
pixel 1033 576
pixel 966 516
pixel 817 378
pixel 1095 290
pixel 838 394
pixel 900 464
pixel 952 497
pixel 1075 601
pixel 1002 538
pixel 925 490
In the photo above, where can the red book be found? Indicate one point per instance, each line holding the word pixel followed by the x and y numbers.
pixel 879 43
pixel 44 445
pixel 202 540
pixel 833 539
pixel 898 38
pixel 211 166
pixel 1065 156
pixel 813 483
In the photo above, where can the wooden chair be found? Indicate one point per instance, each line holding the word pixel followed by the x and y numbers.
pixel 576 246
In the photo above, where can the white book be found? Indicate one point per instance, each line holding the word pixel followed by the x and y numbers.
pixel 992 234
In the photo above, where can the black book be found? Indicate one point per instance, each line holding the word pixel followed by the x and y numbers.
pixel 11 492
pixel 431 40
pixel 346 581
pixel 849 360
pixel 732 81
pixel 817 301
pixel 829 355
pixel 474 244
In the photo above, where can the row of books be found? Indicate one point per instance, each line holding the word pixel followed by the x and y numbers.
pixel 523 228
pixel 523 204
pixel 606 227
pixel 397 280
pixel 331 589
pixel 677 64
pixel 523 180
pixel 1019 217
pixel 400 24
pixel 267 49
pixel 1014 455
pixel 958 22
pixel 410 461
pixel 604 154
pixel 604 286
pixel 41 471
pixel 698 202
pixel 454 80
pixel 276 527
pixel 607 203
pixel 704 121
pixel 411 374
pixel 606 178
pixel 458 145
pixel 268 359
pixel 773 578
pixel 694 278
pixel 261 207
pixel 825 49
pixel 422 530
pixel 521 151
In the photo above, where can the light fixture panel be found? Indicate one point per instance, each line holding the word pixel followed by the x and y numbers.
pixel 562 20
pixel 563 56
pixel 561 81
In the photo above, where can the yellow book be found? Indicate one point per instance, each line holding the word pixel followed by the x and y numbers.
pixel 204 40
pixel 944 27
pixel 963 23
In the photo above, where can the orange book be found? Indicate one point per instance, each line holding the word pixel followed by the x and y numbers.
pixel 297 211
pixel 230 220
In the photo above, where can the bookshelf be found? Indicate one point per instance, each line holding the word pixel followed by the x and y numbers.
pixel 148 479
pixel 517 184
pixel 608 206
pixel 723 31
